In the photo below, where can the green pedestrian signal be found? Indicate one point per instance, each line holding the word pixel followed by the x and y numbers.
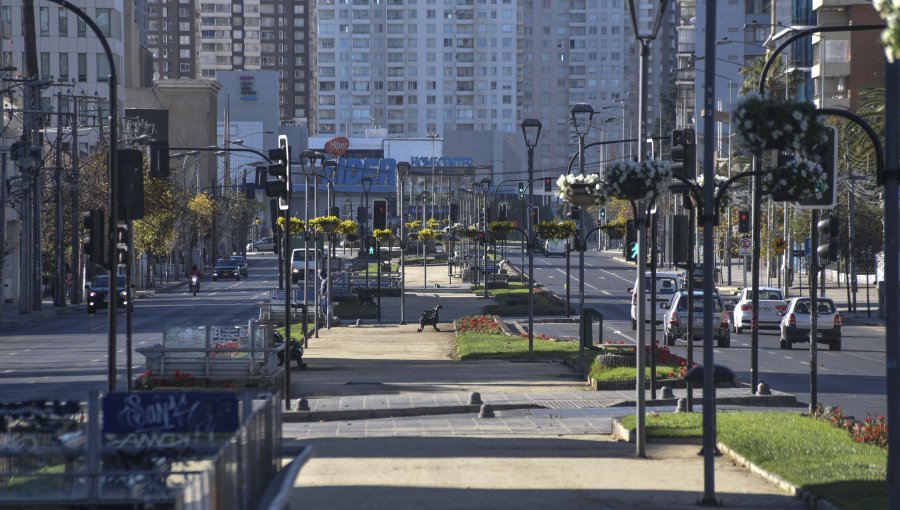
pixel 371 250
pixel 632 253
pixel 602 214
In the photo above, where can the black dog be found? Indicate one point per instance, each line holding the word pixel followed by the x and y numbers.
pixel 429 318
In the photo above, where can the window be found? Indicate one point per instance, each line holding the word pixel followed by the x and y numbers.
pixel 45 64
pixel 102 18
pixel 45 21
pixel 63 22
pixel 82 67
pixel 102 67
pixel 64 67
pixel 80 27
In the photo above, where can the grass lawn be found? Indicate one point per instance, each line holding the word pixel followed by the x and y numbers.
pixel 479 345
pixel 628 373
pixel 296 329
pixel 809 453
pixel 373 268
pixel 513 301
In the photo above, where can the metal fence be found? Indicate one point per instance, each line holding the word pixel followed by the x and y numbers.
pixel 57 453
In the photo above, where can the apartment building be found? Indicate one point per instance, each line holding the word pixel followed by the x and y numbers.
pixel 198 38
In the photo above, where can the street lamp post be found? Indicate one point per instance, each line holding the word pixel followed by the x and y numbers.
pixel 485 188
pixel 433 136
pixel 402 171
pixel 531 130
pixel 582 115
pixel 367 185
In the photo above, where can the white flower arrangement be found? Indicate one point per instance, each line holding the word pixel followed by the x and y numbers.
pixel 725 201
pixel 572 186
pixel 764 124
pixel 890 36
pixel 630 180
pixel 799 178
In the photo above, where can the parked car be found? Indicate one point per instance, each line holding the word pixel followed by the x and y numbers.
pixel 264 244
pixel 675 323
pixel 796 324
pixel 241 263
pixel 555 247
pixel 98 293
pixel 226 268
pixel 772 308
pixel 666 286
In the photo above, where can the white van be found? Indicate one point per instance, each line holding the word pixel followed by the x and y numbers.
pixel 555 247
pixel 667 284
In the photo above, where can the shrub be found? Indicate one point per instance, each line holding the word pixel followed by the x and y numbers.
pixel 478 324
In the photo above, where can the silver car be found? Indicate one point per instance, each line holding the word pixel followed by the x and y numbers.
pixel 264 244
pixel 675 322
pixel 796 324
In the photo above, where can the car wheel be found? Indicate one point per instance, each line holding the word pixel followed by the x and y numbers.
pixel 782 343
pixel 215 279
pixel 834 345
pixel 738 330
pixel 788 344
pixel 91 310
pixel 633 324
pixel 724 342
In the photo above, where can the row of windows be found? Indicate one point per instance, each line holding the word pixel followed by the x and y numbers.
pixel 60 66
pixel 57 22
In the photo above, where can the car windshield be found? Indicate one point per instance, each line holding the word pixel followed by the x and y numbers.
pixel 698 303
pixel 238 259
pixel 300 254
pixel 663 285
pixel 767 294
pixel 224 263
pixel 802 306
pixel 103 281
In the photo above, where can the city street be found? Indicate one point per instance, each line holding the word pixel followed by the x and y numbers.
pixel 65 356
pixel 853 378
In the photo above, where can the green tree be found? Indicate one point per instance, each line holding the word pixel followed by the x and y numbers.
pixel 154 234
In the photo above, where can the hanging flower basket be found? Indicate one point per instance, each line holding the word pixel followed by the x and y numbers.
pixel 890 36
pixel 325 223
pixel 581 190
pixel 630 180
pixel 798 179
pixel 426 234
pixel 770 124
pixel 347 227
pixel 555 229
pixel 500 229
pixel 382 235
pixel 469 232
pixel 725 201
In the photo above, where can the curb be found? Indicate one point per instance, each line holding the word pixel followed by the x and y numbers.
pixel 368 414
pixel 811 501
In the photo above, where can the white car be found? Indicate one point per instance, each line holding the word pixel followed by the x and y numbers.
pixel 772 308
pixel 795 325
pixel 667 284
pixel 555 247
pixel 264 244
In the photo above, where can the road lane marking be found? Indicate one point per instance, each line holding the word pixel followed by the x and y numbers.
pixel 788 357
pixel 591 286
pixel 605 292
pixel 95 360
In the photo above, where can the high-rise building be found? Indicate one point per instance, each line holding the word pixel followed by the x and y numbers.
pixel 199 38
pixel 416 69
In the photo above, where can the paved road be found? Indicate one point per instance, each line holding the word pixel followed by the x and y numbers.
pixel 66 355
pixel 853 378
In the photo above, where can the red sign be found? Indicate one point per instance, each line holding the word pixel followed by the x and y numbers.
pixel 337 146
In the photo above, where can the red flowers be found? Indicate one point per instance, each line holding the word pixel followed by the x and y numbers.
pixel 869 431
pixel 478 324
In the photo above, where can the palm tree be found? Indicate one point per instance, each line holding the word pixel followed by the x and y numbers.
pixel 775 79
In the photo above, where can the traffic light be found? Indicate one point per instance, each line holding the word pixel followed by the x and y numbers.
pixel 249 190
pixel 454 213
pixel 548 184
pixel 690 153
pixel 535 216
pixel 121 244
pixel 826 155
pixel 501 212
pixel 281 170
pixel 521 188
pixel 677 154
pixel 744 222
pixel 362 214
pixel 603 214
pixel 94 223
pixel 576 241
pixel 371 247
pixel 829 235
pixel 630 246
pixel 379 219
pixel 574 213
pixel 481 223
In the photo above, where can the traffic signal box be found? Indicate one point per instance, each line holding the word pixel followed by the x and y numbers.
pixel 744 222
pixel 534 213
pixel 521 189
pixel 548 184
pixel 684 153
pixel 630 245
pixel 829 237
pixel 379 219
pixel 94 222
pixel 502 214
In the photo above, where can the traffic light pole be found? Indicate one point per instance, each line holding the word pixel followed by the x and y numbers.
pixel 813 310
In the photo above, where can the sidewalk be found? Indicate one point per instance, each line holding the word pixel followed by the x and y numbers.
pixel 392 426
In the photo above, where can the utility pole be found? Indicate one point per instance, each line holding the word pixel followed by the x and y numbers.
pixel 76 245
pixel 59 296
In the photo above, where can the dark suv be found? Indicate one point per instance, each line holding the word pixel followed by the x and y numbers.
pixel 98 292
pixel 675 322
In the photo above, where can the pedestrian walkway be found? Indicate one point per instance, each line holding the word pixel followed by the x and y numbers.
pixel 395 424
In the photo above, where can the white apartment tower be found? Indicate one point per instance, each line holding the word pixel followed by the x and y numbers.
pixel 413 68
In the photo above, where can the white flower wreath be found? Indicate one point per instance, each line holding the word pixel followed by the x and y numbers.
pixel 799 178
pixel 725 201
pixel 764 124
pixel 890 36
pixel 630 180
pixel 589 183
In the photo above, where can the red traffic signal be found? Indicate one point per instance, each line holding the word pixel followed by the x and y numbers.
pixel 548 184
pixel 743 222
pixel 379 219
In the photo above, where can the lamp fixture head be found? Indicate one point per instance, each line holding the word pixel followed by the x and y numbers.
pixel 582 114
pixel 531 129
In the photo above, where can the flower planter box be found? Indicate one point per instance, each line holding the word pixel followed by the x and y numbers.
pixel 630 385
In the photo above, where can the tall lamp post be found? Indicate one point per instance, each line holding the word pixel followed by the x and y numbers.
pixel 367 185
pixel 582 115
pixel 433 137
pixel 485 188
pixel 531 130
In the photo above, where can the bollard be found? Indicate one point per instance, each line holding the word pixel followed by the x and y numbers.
pixel 681 406
pixel 302 404
pixel 475 398
pixel 487 411
pixel 666 392
pixel 763 389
